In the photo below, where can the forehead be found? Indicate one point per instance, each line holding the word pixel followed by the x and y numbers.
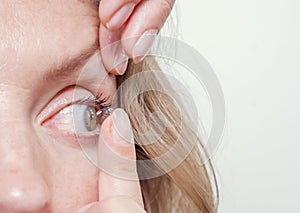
pixel 36 33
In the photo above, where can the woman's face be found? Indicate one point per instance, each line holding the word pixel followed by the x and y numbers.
pixel 44 46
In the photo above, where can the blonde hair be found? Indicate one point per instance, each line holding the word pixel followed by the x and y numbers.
pixel 192 185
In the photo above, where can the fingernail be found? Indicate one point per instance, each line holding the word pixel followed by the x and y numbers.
pixel 121 60
pixel 120 17
pixel 143 45
pixel 122 131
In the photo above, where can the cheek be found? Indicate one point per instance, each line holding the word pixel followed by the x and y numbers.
pixel 74 179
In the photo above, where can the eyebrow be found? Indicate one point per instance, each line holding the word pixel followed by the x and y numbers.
pixel 68 66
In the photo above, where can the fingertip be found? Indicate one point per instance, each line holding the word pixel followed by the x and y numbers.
pixel 113 55
pixel 120 17
pixel 122 130
pixel 139 33
pixel 113 14
pixel 117 136
pixel 87 208
pixel 138 47
pixel 121 61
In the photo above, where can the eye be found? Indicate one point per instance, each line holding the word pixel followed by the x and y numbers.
pixel 84 117
pixel 80 116
pixel 91 118
pixel 76 118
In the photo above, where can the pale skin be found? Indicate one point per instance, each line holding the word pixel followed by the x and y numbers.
pixel 42 168
pixel 137 17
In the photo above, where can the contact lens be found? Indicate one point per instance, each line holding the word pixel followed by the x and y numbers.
pixel 91 118
pixel 102 114
pixel 94 118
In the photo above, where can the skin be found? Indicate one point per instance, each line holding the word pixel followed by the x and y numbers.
pixel 129 30
pixel 42 166
pixel 39 174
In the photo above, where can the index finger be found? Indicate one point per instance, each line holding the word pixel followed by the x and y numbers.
pixel 117 159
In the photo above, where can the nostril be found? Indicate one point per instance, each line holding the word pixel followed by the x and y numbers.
pixel 24 194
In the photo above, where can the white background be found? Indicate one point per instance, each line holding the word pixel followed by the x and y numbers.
pixel 254 48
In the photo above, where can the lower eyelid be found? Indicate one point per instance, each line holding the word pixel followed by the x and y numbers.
pixel 72 140
pixel 61 119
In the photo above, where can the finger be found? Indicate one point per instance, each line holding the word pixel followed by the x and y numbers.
pixel 146 20
pixel 117 161
pixel 115 205
pixel 113 14
pixel 113 55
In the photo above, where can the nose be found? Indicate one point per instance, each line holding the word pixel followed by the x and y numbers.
pixel 23 193
pixel 22 186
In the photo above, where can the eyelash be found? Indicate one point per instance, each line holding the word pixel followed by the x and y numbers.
pixel 98 101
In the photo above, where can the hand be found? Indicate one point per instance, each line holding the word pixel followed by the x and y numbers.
pixel 117 194
pixel 139 20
